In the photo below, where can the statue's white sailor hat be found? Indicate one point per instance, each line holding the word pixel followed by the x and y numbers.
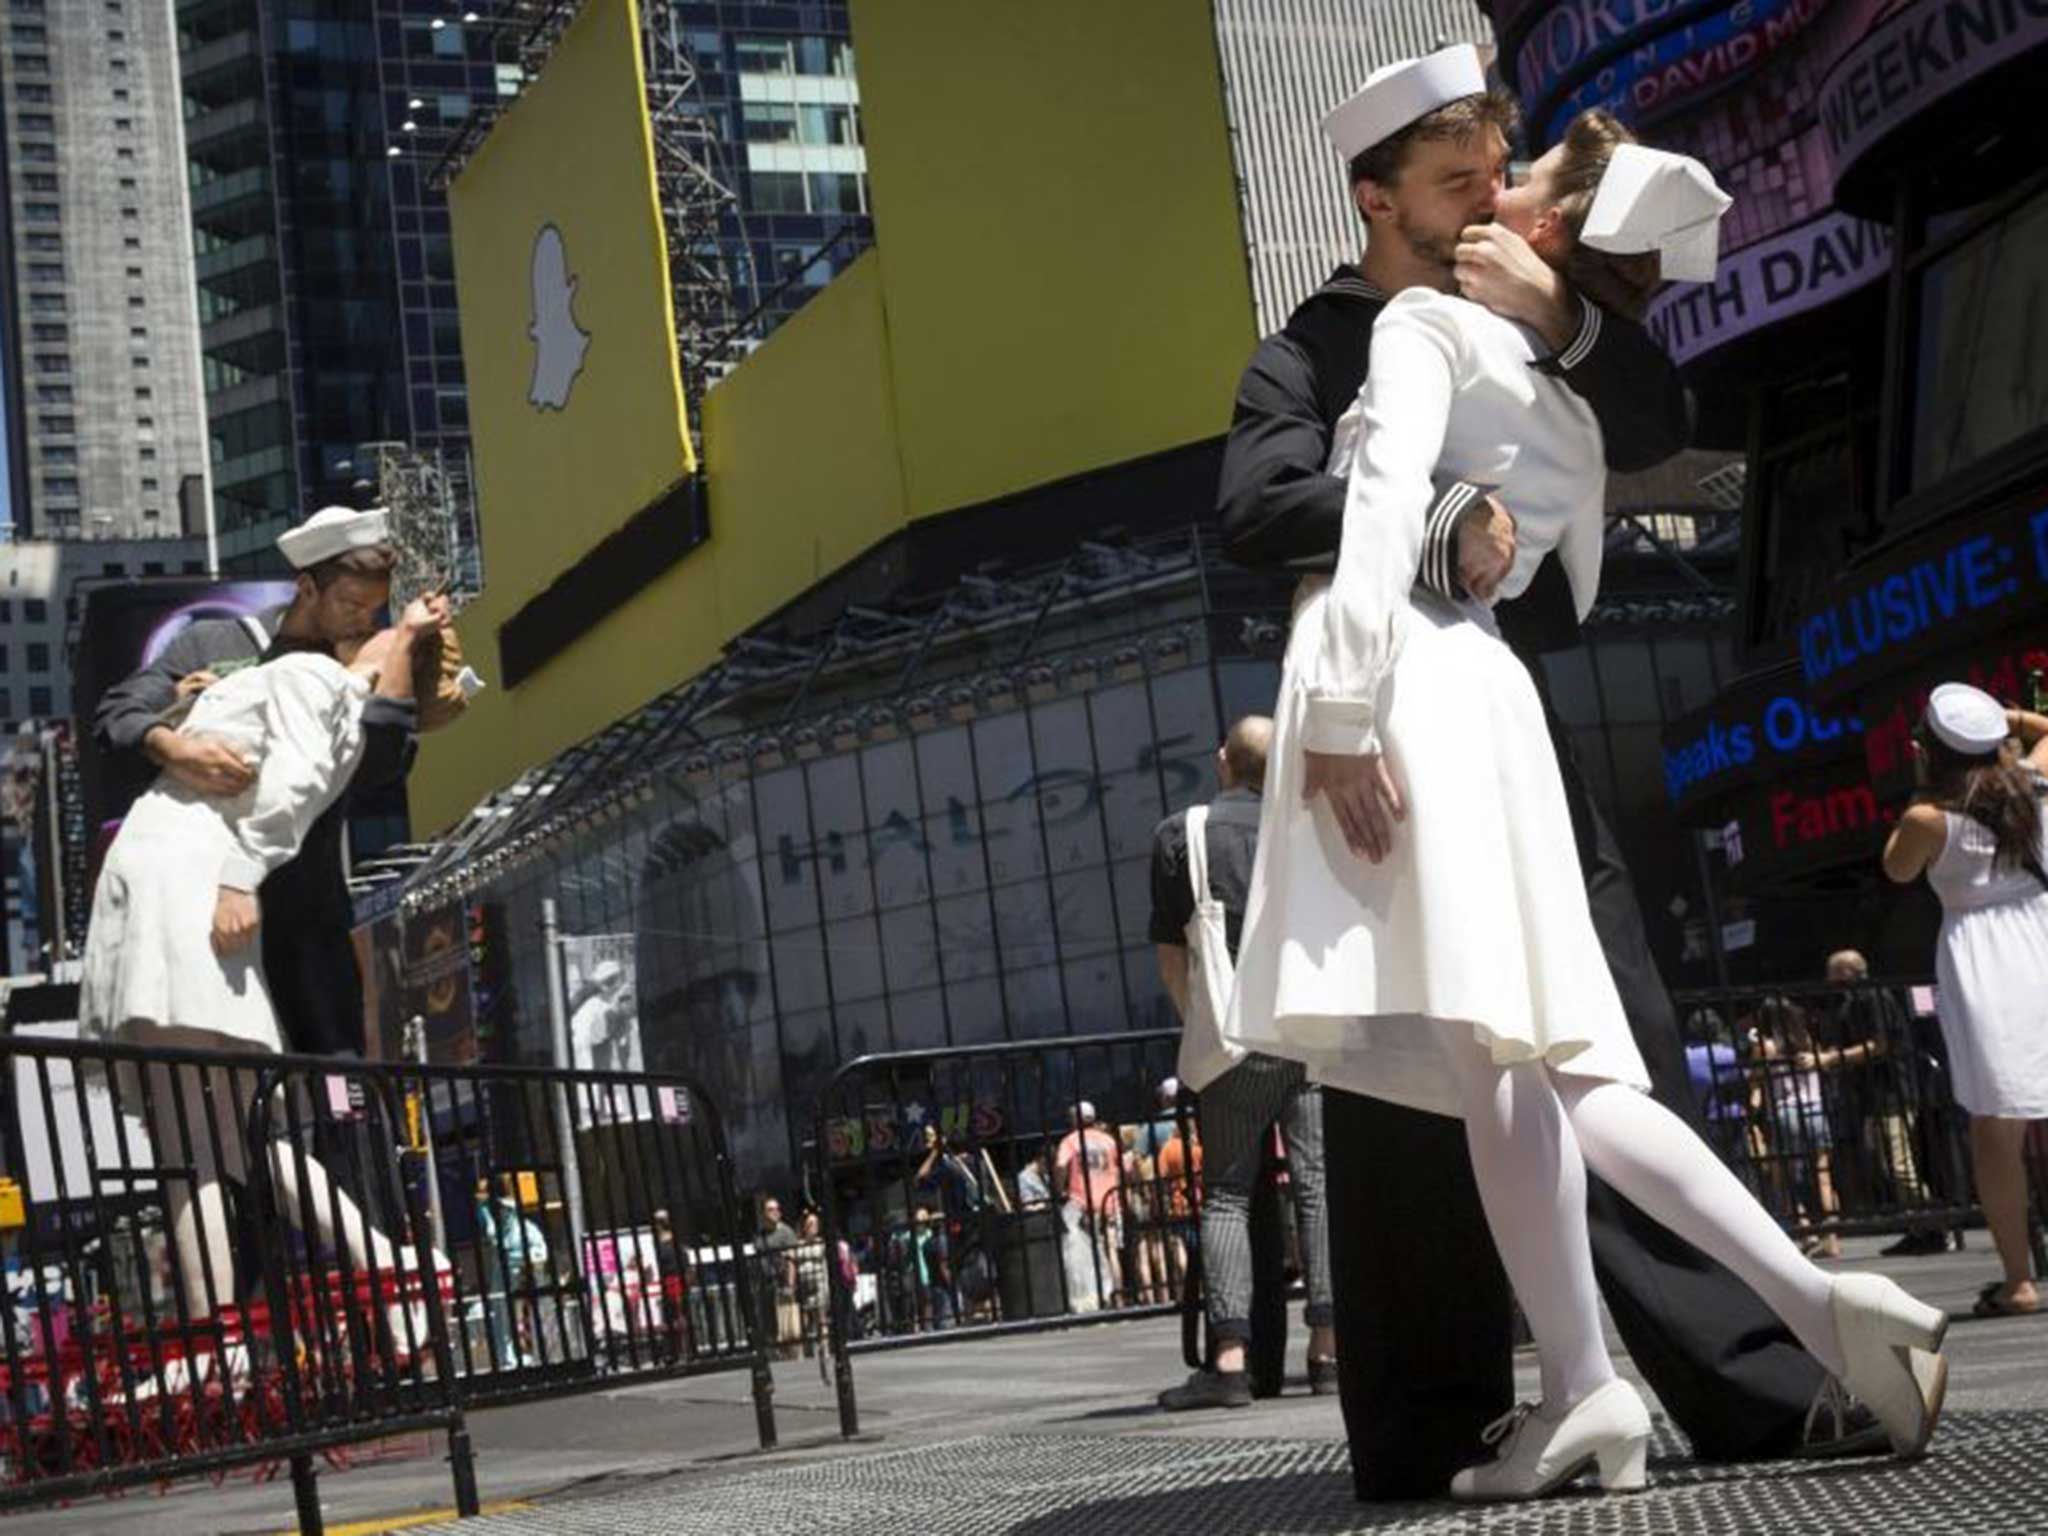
pixel 1395 95
pixel 334 531
pixel 1653 200
pixel 1966 719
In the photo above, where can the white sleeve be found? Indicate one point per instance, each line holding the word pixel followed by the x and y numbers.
pixel 1405 407
pixel 307 749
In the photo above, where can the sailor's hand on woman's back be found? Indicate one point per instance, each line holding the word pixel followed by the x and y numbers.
pixel 204 766
pixel 235 919
pixel 1363 797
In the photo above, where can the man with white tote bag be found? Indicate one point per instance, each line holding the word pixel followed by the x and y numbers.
pixel 1201 867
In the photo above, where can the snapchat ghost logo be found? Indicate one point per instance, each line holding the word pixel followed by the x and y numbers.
pixel 558 341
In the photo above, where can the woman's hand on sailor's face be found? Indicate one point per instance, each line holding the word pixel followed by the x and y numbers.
pixel 1363 797
pixel 424 615
pixel 235 919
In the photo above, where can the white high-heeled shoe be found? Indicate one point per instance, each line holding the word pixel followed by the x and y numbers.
pixel 1890 1347
pixel 1540 1453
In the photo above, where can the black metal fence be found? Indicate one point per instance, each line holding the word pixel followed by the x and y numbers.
pixel 1834 1103
pixel 219 1260
pixel 1000 1189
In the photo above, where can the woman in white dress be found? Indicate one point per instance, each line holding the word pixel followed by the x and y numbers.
pixel 1417 926
pixel 1979 833
pixel 171 958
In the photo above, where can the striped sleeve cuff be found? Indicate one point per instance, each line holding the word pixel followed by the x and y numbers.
pixel 1439 570
pixel 1581 345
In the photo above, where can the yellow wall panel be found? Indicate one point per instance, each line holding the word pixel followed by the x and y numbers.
pixel 1062 254
pixel 803 478
pixel 568 337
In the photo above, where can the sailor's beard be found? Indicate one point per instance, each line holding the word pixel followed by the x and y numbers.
pixel 1440 250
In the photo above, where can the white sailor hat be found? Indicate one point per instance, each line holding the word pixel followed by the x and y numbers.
pixel 334 531
pixel 1653 200
pixel 1395 95
pixel 1085 1112
pixel 1965 719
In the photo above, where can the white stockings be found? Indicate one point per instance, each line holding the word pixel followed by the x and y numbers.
pixel 1534 1133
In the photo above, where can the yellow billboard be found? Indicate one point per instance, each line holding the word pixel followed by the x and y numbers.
pixel 568 328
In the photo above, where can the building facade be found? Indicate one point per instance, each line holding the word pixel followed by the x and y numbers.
pixel 326 293
pixel 778 83
pixel 105 430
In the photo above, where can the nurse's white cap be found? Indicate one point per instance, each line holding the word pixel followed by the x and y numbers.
pixel 1395 95
pixel 1653 200
pixel 334 531
pixel 1966 719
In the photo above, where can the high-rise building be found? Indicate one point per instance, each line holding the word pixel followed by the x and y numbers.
pixel 105 430
pixel 779 87
pixel 326 287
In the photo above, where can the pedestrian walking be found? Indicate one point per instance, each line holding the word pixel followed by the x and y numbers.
pixel 1976 832
pixel 1201 869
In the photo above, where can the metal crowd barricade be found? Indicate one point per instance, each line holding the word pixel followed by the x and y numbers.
pixel 947 1212
pixel 228 1260
pixel 1833 1103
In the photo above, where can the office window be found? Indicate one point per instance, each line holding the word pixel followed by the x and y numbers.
pixel 142 391
pixel 25 32
pixel 45 241
pixel 113 568
pixel 45 272
pixel 45 211
pixel 32 63
pixel 138 333
pixel 764 56
pixel 131 242
pixel 148 455
pixel 53 362
pixel 131 213
pixel 135 273
pixel 116 35
pixel 127 183
pixel 48 304
pixel 35 611
pixel 3 667
pixel 38 656
pixel 50 330
pixel 139 362
pixel 145 423
pixel 149 485
pixel 118 66
pixel 152 567
pixel 777 192
pixel 36 122
pixel 60 485
pixel 33 153
pixel 53 394
pixel 31 92
pixel 57 425
pixel 137 301
pixel 126 151
pixel 56 454
pixel 39 703
pixel 6 617
pixel 123 124
pixel 39 181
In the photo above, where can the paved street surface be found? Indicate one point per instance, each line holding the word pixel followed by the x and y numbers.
pixel 1057 1434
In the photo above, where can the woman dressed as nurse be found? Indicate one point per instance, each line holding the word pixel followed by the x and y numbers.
pixel 1418 927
